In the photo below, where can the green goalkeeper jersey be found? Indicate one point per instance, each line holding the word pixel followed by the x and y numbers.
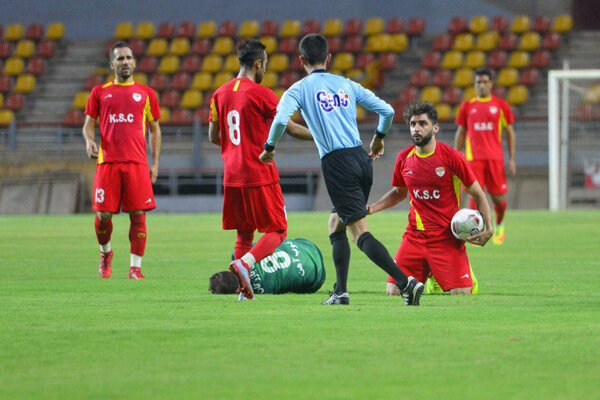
pixel 296 266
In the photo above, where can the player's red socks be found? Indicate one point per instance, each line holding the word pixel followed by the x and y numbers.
pixel 243 244
pixel 500 209
pixel 472 204
pixel 103 230
pixel 137 233
pixel 267 244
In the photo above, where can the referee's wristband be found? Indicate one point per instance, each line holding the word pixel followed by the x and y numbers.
pixel 268 147
pixel 379 134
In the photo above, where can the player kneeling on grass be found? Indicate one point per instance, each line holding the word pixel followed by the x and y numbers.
pixel 296 266
pixel 431 174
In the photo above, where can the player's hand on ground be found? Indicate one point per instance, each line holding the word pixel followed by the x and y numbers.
pixel 481 238
pixel 376 148
pixel 92 149
pixel 512 168
pixel 154 172
pixel 267 156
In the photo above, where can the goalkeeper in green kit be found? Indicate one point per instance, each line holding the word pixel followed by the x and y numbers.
pixel 296 266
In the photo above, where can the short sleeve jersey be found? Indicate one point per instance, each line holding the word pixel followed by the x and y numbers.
pixel 434 183
pixel 123 111
pixel 484 119
pixel 244 111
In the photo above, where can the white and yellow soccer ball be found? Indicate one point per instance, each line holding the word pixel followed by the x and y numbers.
pixel 465 223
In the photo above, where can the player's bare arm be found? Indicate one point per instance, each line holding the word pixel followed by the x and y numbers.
pixel 510 139
pixel 214 133
pixel 155 145
pixel 376 147
pixel 390 199
pixel 298 131
pixel 483 206
pixel 89 131
pixel 459 138
pixel 267 156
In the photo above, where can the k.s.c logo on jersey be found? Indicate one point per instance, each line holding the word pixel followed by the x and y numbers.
pixel 330 101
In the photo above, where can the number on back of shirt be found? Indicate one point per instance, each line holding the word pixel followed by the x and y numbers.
pixel 233 121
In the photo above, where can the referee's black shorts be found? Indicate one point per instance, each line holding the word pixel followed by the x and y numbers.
pixel 348 176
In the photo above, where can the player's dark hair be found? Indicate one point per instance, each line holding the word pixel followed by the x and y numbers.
pixel 314 48
pixel 223 282
pixel 417 108
pixel 118 45
pixel 249 51
pixel 484 71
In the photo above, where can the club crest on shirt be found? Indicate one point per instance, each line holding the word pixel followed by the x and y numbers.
pixel 331 101
pixel 493 109
pixel 440 171
pixel 137 96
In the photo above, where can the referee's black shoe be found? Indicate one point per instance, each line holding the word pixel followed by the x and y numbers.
pixel 412 292
pixel 336 299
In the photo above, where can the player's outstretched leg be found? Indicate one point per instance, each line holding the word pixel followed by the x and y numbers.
pixel 137 239
pixel 104 227
pixel 500 209
pixel 340 249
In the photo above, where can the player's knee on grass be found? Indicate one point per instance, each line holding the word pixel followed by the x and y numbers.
pixel 335 223
pixel 393 290
pixel 223 282
pixel 461 291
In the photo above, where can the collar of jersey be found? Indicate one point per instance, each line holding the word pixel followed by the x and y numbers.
pixel 319 70
pixel 123 84
pixel 414 151
pixel 483 99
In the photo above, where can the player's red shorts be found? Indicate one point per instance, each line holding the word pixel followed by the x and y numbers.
pixel 443 255
pixel 490 174
pixel 259 208
pixel 123 184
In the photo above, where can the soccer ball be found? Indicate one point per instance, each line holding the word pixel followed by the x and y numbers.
pixel 465 223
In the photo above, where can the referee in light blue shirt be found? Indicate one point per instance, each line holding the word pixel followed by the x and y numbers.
pixel 328 104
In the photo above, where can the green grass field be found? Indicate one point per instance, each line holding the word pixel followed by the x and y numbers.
pixel 532 333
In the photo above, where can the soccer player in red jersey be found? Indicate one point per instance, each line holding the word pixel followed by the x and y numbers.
pixel 480 122
pixel 431 174
pixel 122 108
pixel 241 112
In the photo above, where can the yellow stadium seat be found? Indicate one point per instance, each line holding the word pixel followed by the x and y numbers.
pixel 452 60
pixel 124 31
pixel 463 77
pixel 278 63
pixel 444 112
pixel 592 95
pixel 24 49
pixel 55 31
pixel 479 24
pixel 342 61
pixel 432 94
pixel 140 77
pixel 179 46
pixel 360 113
pixel 562 24
pixel 249 29
pixel 207 29
pixel 223 46
pixel 1 100
pixel 336 72
pixel 279 92
pixel 456 110
pixel 290 28
pixel 518 59
pixel 332 27
pixel 507 77
pixel 232 64
pixel 109 78
pixel 475 59
pixel 25 83
pixel 463 42
pixel 270 43
pixel 168 65
pixel 13 66
pixel 530 41
pixel 145 30
pixel 487 41
pixel 165 115
pixel 270 80
pixel 221 79
pixel 469 93
pixel 157 48
pixel 373 26
pixel 378 43
pixel 517 95
pixel 357 75
pixel 202 81
pixel 191 98
pixel 13 32
pixel 6 117
pixel 212 63
pixel 398 42
pixel 80 100
pixel 520 24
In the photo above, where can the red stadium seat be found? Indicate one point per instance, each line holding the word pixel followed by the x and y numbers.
pixel 206 98
pixel 540 59
pixel 416 27
pixel 420 78
pixel 452 95
pixel 148 65
pixel 387 61
pixel 551 41
pixel 442 42
pixel 138 47
pixel 458 25
pixel 509 42
pixel 335 44
pixel 500 24
pixel 15 101
pixel 202 115
pixel 36 66
pixel 431 60
pixel 395 25
pixel 166 30
pixel 181 117
pixel 398 107
pixel 170 98
pixel 541 24
pixel 186 29
pixel 92 81
pixel 228 28
pixel 353 44
pixel 288 46
pixel 408 94
pixel 353 27
pixel 191 64
pixel 287 79
pixel 35 32
pixel 363 60
pixel 530 77
pixel 500 92
pixel 159 82
pixel 181 81
pixel 296 64
pixel 6 49
pixel 1 31
pixel 269 28
pixel 311 26
pixel 497 59
pixel 73 118
pixel 46 49
pixel 442 77
pixel 5 83
pixel 201 47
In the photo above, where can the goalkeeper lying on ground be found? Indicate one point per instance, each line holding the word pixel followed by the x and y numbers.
pixel 296 266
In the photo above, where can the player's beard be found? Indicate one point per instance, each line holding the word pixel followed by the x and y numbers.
pixel 125 75
pixel 424 138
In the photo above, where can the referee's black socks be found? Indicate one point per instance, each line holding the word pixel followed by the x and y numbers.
pixel 341 259
pixel 380 256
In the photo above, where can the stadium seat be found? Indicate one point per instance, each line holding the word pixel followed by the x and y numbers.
pixel 201 47
pixel 432 94
pixel 342 61
pixel 416 27
pixel 159 82
pixel 221 79
pixel 408 94
pixel 379 43
pixel 540 59
pixel 223 46
pixel 508 42
pixel 469 93
pixel 332 27
pixel 551 41
pixel 458 25
pixel 398 107
pixel 518 59
pixel 181 81
pixel 5 84
pixel 463 77
pixel 73 118
pixel 387 61
pixel 364 59
pixel 530 77
pixel 499 92
pixel 166 30
pixel 92 81
pixel 398 42
pixel 207 29
pixel 592 94
pixel 179 46
pixel 452 60
pixel 181 117
pixel 269 28
pixel 170 98
pixel 190 64
pixel 138 47
pixel 202 81
pixel 395 25
pixel 357 75
pixel 145 30
pixel 186 29
pixel 442 77
pixel 487 41
pixel 165 115
pixel 168 65
pixel 232 63
pixel 191 98
pixel 290 28
pixel 479 24
pixel 500 24
pixel 13 32
pixel 287 79
pixel 431 60
pixel 46 49
pixel 80 100
pixel 353 44
pixel 295 64
pixel 202 114
pixel 55 31
pixel 530 41
pixel 278 63
pixel 374 26
pixel 288 45
pixel 270 43
pixel 6 49
pixel 360 113
pixel 520 24
pixel 15 101
pixel 35 32
pixel 444 112
pixel 517 95
pixel 157 48
pixel 562 24
pixel 124 31
pixel 279 91
pixel 13 67
pixel 25 83
pixel 140 77
pixel 270 80
pixel 148 65
pixel 311 26
pixel 420 78
pixel 497 59
pixel 475 59
pixel 6 117
pixel 207 98
pixel 463 42
pixel 507 77
pixel 24 49
pixel 335 44
pixel 249 29
pixel 541 24
pixel 353 26
pixel 452 95
pixel 442 42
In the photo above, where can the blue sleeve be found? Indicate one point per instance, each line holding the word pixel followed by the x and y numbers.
pixel 371 102
pixel 289 104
